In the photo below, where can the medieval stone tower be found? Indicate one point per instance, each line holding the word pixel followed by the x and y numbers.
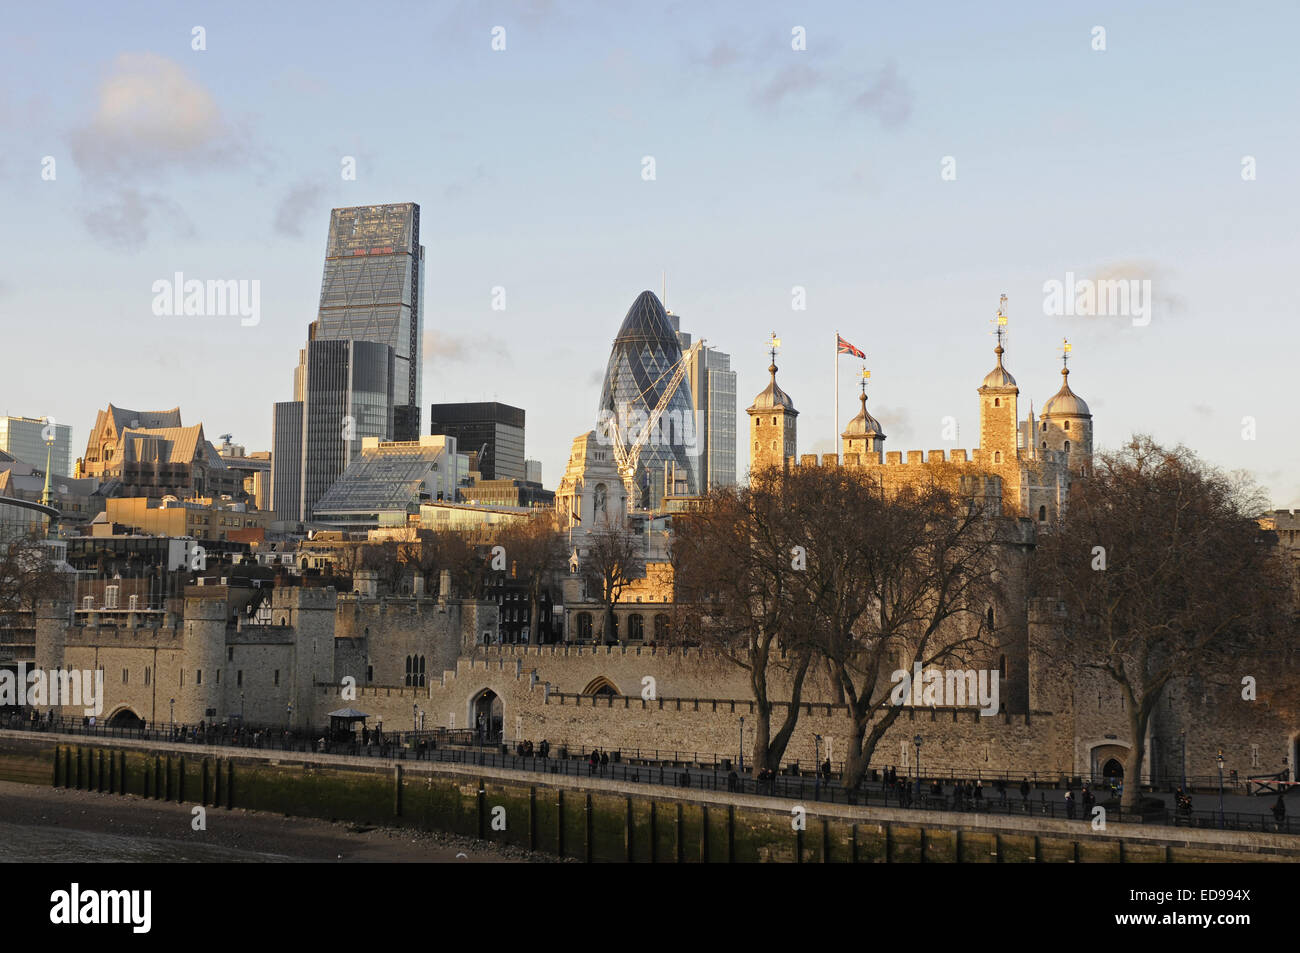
pixel 1065 423
pixel 772 429
pixel 864 434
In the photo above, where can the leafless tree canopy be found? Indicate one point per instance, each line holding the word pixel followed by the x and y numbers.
pixel 1162 570
pixel 612 560
pixel 27 576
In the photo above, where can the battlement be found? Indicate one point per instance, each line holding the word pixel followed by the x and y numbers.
pixel 894 458
pixel 301 597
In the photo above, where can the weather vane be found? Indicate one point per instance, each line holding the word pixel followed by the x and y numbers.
pixel 866 376
pixel 1065 352
pixel 773 345
pixel 1001 319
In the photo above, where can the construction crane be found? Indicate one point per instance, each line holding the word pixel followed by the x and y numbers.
pixel 627 452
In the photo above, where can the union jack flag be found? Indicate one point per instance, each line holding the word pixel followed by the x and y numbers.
pixel 844 347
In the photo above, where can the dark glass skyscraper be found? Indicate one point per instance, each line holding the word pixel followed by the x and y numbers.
pixel 641 362
pixel 495 429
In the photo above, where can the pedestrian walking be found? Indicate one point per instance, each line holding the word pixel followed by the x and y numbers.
pixel 1024 792
pixel 1069 804
pixel 592 762
pixel 604 762
pixel 1279 812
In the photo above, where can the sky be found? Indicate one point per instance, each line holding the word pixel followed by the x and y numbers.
pixel 904 168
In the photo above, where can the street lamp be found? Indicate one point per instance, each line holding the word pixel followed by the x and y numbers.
pixel 1183 757
pixel 172 716
pixel 1219 759
pixel 241 709
pixel 379 728
pixel 288 720
pixel 917 741
pixel 415 716
pixel 742 744
pixel 817 766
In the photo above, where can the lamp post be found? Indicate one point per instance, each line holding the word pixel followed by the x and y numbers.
pixel 241 709
pixel 917 741
pixel 742 744
pixel 288 715
pixel 817 767
pixel 1219 759
pixel 379 728
pixel 415 716
pixel 1183 758
pixel 172 716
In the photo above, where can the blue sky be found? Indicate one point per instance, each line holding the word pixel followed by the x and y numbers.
pixel 774 168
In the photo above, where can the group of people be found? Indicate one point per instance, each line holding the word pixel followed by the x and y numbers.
pixel 1086 796
pixel 598 761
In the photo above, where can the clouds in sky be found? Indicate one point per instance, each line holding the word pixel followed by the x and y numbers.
pixel 150 118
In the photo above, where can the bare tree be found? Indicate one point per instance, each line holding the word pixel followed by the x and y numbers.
pixel 1163 572
pixel 534 553
pixel 734 567
pixel 613 560
pixel 28 575
pixel 894 581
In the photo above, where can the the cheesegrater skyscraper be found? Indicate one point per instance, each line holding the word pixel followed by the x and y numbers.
pixel 360 373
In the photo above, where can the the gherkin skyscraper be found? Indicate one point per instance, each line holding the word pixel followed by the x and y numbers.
pixel 641 365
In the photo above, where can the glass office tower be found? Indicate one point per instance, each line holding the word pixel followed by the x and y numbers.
pixel 373 290
pixel 642 360
pixel 495 429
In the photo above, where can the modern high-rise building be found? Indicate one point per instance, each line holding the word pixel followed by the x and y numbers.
pixel 533 471
pixel 641 363
pixel 373 290
pixel 360 374
pixel 713 392
pixel 493 431
pixel 24 438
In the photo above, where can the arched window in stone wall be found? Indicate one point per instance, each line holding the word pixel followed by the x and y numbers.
pixel 1042 514
pixel 420 673
pixel 408 670
pixel 584 625
pixel 661 627
pixel 636 626
pixel 1067 446
pixel 1002 666
pixel 990 618
pixel 600 685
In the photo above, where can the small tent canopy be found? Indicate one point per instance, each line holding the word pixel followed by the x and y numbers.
pixel 341 722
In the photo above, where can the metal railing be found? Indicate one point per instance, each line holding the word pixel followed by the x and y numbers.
pixel 468 747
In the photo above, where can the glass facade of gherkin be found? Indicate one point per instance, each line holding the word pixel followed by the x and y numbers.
pixel 641 363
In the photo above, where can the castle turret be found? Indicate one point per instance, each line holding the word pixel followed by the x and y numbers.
pixel 1065 423
pixel 863 435
pixel 772 429
pixel 998 418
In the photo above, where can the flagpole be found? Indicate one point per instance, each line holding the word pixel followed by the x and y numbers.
pixel 835 441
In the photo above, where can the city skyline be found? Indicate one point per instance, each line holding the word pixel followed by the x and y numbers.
pixel 818 169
